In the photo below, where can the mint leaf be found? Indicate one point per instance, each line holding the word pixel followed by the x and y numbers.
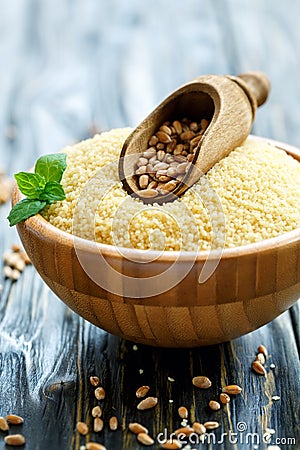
pixel 24 209
pixel 41 188
pixel 30 184
pixel 53 191
pixel 51 167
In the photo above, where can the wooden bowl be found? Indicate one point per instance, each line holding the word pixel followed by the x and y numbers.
pixel 251 286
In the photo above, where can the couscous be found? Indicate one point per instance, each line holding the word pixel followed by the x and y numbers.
pixel 249 196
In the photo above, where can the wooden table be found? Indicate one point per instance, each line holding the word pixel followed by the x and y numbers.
pixel 67 70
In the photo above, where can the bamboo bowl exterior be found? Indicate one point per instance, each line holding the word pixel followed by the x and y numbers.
pixel 251 286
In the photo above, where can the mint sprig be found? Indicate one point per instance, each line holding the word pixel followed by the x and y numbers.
pixel 41 187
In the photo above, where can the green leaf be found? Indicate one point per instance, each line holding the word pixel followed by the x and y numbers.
pixel 51 167
pixel 30 184
pixel 24 209
pixel 40 188
pixel 53 191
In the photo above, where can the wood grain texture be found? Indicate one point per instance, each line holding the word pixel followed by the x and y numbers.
pixel 69 68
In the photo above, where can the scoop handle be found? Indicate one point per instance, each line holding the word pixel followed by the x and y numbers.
pixel 258 84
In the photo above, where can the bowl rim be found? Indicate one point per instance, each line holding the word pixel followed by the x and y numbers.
pixel 37 224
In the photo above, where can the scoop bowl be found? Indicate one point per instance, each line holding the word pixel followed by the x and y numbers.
pixel 229 104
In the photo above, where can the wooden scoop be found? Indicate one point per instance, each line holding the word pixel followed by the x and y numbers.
pixel 228 102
